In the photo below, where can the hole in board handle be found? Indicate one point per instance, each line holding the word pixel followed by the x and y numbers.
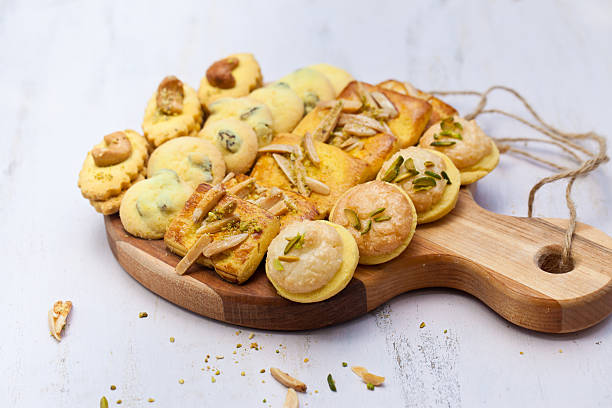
pixel 549 258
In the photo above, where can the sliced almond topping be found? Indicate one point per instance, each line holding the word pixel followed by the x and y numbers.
pixel 412 91
pixel 328 124
pixel 361 120
pixel 310 149
pixel 216 226
pixel 356 129
pixel 385 104
pixel 170 95
pixel 368 377
pixel 227 177
pixel 193 254
pixel 291 400
pixel 287 380
pixel 286 166
pixel 348 142
pixel 241 188
pixel 348 105
pixel 317 186
pixel 223 245
pixel 58 316
pixel 354 146
pixel 279 209
pixel 277 148
pixel 268 201
pixel 300 178
pixel 208 202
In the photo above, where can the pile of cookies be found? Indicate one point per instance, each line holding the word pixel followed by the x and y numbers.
pixel 316 172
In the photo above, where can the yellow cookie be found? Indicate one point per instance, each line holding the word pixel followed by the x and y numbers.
pixel 149 206
pixel 235 140
pixel 285 105
pixel 338 77
pixel 100 182
pixel 381 218
pixel 312 86
pixel 162 123
pixel 247 109
pixel 111 205
pixel 311 261
pixel 234 76
pixel 195 160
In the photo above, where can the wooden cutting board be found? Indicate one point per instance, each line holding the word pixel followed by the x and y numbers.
pixel 493 257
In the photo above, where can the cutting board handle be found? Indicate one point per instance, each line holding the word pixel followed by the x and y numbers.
pixel 508 263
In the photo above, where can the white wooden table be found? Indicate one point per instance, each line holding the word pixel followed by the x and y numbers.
pixel 72 72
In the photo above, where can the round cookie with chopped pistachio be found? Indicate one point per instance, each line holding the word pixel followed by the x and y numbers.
pixel 311 261
pixel 150 205
pixel 311 86
pixel 234 76
pixel 285 105
pixel 172 111
pixel 429 177
pixel 381 218
pixel 249 110
pixel 194 159
pixel 469 148
pixel 338 77
pixel 235 140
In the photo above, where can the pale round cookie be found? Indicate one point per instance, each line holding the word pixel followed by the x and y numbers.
pixel 103 182
pixel 246 77
pixel 285 105
pixel 338 77
pixel 160 127
pixel 381 218
pixel 249 110
pixel 149 206
pixel 312 86
pixel 464 142
pixel 194 159
pixel 310 261
pixel 235 140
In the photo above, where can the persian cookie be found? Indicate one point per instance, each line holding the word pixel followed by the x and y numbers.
pixel 430 179
pixel 112 204
pixel 173 111
pixel 248 110
pixel 235 140
pixel 288 163
pixel 288 206
pixel 311 261
pixel 381 218
pixel 285 105
pixel 221 231
pixel 195 160
pixel 112 164
pixel 440 109
pixel 310 85
pixel 234 76
pixel 469 148
pixel 149 206
pixel 338 77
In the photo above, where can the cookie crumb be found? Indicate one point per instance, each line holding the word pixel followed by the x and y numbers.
pixel 521 353
pixel 171 339
pixel 242 373
pixel 143 315
pixel 113 387
pixel 119 402
pixel 422 325
pixel 151 400
pixel 344 364
pixel 251 336
pixel 181 381
pixel 445 331
pixel 213 380
pixel 238 345
pixel 306 360
pixel 263 370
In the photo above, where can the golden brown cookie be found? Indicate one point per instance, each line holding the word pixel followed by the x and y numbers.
pixel 100 181
pixel 234 76
pixel 172 111
pixel 112 205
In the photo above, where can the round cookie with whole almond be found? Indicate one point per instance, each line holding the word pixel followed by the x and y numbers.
pixel 172 111
pixel 194 159
pixel 381 218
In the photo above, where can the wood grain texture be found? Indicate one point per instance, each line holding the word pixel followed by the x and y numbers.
pixel 491 256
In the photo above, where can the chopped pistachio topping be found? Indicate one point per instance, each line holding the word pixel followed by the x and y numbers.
pixel 331 383
pixel 382 218
pixel 434 175
pixel 353 218
pixel 377 211
pixel 277 265
pixel 428 163
pixel 288 258
pixel 443 143
pixel 393 170
pixel 404 177
pixel 344 364
pixel 292 243
pixel 423 183
pixel 367 227
pixel 445 177
pixel 370 386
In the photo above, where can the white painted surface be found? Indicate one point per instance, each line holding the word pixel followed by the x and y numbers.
pixel 72 72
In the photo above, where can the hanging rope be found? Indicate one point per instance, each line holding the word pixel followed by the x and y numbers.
pixel 566 141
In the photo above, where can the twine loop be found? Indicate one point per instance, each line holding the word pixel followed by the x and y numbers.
pixel 585 160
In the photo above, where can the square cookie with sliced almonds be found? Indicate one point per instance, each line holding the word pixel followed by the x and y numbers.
pixel 336 172
pixel 242 227
pixel 288 206
pixel 412 113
